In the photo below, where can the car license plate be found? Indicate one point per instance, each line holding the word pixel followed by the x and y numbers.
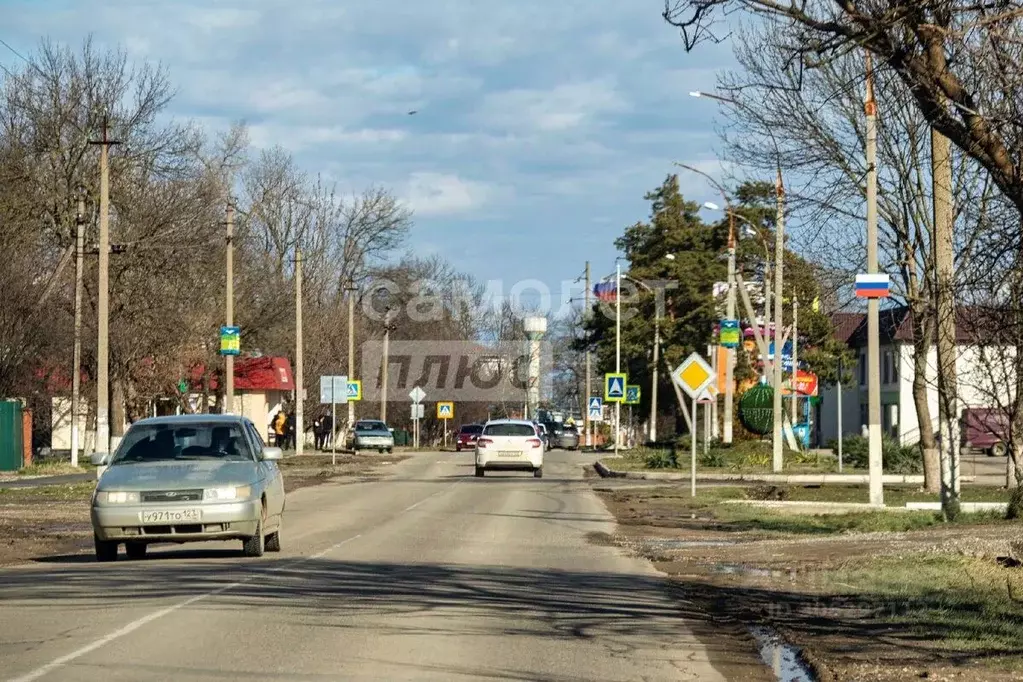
pixel 508 453
pixel 172 516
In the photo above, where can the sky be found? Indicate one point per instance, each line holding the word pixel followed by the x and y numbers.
pixel 540 125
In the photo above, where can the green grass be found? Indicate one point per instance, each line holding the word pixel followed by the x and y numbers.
pixel 748 518
pixel 47 493
pixel 56 468
pixel 965 604
pixel 742 457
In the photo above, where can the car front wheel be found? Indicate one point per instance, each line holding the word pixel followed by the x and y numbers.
pixel 106 550
pixel 256 545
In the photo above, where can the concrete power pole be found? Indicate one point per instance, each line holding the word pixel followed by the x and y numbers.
pixel 779 254
pixel 229 312
pixel 383 368
pixel 873 304
pixel 351 353
pixel 795 357
pixel 299 369
pixel 103 297
pixel 586 394
pixel 730 312
pixel 76 370
pixel 944 267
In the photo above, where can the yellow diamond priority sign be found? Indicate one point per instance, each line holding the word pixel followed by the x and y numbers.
pixel 693 375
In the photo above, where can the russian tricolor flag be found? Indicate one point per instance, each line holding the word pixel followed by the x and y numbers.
pixel 872 286
pixel 605 291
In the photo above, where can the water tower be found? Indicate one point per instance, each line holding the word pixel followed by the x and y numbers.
pixel 535 327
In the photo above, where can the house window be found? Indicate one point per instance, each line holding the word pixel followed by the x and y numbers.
pixel 886 368
pixel 896 358
pixel 863 369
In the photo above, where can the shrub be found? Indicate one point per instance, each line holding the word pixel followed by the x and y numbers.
pixel 713 458
pixel 896 458
pixel 662 459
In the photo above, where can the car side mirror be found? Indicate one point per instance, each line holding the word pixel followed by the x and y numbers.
pixel 99 458
pixel 272 454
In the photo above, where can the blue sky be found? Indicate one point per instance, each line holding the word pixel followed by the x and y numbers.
pixel 540 124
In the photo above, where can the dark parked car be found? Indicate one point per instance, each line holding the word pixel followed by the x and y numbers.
pixel 565 436
pixel 467 436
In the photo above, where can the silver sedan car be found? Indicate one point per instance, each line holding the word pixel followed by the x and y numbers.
pixel 186 479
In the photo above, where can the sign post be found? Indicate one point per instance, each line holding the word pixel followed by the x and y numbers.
pixel 445 411
pixel 693 376
pixel 418 395
pixel 333 390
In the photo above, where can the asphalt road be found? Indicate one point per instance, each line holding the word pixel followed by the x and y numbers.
pixel 430 574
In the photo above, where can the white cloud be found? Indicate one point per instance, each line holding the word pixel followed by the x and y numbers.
pixel 300 138
pixel 563 107
pixel 431 194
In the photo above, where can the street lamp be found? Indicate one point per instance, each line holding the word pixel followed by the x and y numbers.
pixel 730 304
pixel 779 252
pixel 657 351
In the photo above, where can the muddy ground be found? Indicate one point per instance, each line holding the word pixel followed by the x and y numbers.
pixel 52 521
pixel 792 584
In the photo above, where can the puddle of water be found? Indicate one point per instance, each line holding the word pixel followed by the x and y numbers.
pixel 783 658
pixel 742 569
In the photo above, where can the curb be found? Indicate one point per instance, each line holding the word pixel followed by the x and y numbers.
pixel 912 479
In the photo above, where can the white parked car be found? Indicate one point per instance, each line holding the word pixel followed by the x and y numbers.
pixel 509 445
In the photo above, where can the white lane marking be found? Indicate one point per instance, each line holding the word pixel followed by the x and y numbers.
pixel 117 634
pixel 428 497
pixel 149 618
pixel 330 549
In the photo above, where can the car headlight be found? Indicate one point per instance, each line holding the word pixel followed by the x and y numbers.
pixel 116 497
pixel 239 492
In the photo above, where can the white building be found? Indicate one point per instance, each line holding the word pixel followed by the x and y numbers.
pixel 981 376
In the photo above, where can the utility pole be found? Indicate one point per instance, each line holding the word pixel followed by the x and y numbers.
pixel 299 378
pixel 618 349
pixel 730 352
pixel 779 253
pixel 351 353
pixel 383 369
pixel 795 356
pixel 76 370
pixel 873 304
pixel 653 379
pixel 229 310
pixel 103 297
pixel 586 394
pixel 944 267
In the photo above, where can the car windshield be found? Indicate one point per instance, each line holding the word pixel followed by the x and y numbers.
pixel 370 426
pixel 509 430
pixel 569 428
pixel 472 428
pixel 174 442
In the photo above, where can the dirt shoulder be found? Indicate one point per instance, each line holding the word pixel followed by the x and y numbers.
pixel 53 520
pixel 861 601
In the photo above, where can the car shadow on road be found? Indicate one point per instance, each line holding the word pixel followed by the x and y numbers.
pixel 634 613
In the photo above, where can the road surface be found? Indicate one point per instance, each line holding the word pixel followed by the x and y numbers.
pixel 430 574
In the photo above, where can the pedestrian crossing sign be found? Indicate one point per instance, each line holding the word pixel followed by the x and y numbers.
pixel 614 387
pixel 354 389
pixel 632 395
pixel 445 410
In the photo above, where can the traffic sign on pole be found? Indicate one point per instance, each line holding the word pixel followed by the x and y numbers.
pixel 632 395
pixel 354 389
pixel 614 387
pixel 445 410
pixel 417 394
pixel 595 407
pixel 693 375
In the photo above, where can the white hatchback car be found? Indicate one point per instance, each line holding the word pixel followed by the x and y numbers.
pixel 509 445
